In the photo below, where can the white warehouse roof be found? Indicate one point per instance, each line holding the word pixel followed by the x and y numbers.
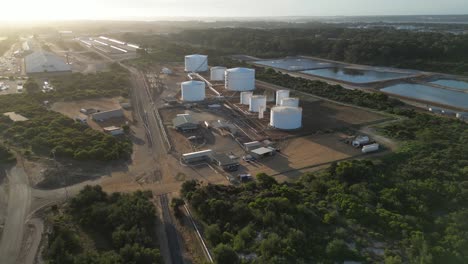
pixel 41 61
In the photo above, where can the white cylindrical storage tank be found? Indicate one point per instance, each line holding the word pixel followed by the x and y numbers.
pixel 292 102
pixel 280 95
pixel 240 79
pixel 257 102
pixel 245 98
pixel 285 117
pixel 192 91
pixel 217 73
pixel 196 63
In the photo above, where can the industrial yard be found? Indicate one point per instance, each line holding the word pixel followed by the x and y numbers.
pixel 74 110
pixel 239 126
pixel 109 47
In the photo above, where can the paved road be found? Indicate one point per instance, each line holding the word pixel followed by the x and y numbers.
pixel 19 200
pixel 171 232
pixel 20 194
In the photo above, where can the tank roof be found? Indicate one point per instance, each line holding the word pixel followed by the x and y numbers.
pixel 193 82
pixel 286 109
pixel 196 55
pixel 241 70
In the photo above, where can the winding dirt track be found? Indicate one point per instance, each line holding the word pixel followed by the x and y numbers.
pixel 19 201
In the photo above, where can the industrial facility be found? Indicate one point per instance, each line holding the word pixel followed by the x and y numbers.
pixel 220 114
pixel 41 62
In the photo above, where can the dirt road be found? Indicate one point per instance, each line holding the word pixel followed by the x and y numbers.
pixel 19 200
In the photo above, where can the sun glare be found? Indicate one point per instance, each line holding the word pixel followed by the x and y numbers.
pixel 32 10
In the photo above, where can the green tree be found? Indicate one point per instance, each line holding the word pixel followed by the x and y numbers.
pixel 266 181
pixel 31 86
pixel 188 187
pixel 224 254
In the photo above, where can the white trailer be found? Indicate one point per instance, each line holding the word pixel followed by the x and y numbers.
pixel 370 148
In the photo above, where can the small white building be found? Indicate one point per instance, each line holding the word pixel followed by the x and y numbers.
pixel 114 130
pixel 204 155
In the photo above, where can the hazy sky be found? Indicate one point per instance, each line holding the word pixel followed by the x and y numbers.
pixel 105 9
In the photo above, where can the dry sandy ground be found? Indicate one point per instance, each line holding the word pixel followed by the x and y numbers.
pixel 72 110
pixel 144 172
pixel 300 155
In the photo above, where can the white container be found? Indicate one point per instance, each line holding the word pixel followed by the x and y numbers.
pixel 360 140
pixel 257 103
pixel 196 63
pixel 292 102
pixel 217 73
pixel 245 98
pixel 280 95
pixel 285 117
pixel 370 148
pixel 240 79
pixel 192 91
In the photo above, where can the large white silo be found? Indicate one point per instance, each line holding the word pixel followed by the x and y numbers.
pixel 245 97
pixel 192 91
pixel 217 73
pixel 292 102
pixel 280 95
pixel 285 117
pixel 240 79
pixel 257 102
pixel 196 63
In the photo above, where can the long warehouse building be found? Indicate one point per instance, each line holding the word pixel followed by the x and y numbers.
pixel 41 62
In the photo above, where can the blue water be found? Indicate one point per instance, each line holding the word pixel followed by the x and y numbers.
pixel 452 84
pixel 430 94
pixel 295 64
pixel 356 75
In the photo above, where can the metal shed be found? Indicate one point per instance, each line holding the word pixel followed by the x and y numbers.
pixel 184 122
pixel 226 162
pixel 262 152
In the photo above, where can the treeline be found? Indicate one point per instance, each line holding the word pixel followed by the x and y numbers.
pixel 408 207
pixel 441 52
pixel 48 132
pixel 98 228
pixel 77 86
pixel 378 101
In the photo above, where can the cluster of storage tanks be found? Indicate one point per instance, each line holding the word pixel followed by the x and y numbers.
pixel 285 115
pixel 236 79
